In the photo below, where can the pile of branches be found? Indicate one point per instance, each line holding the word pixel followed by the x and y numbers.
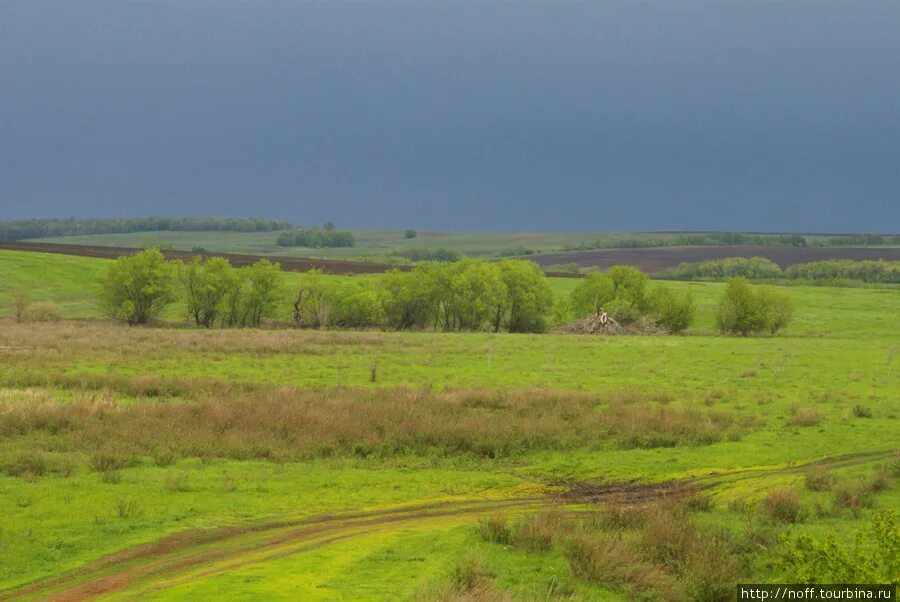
pixel 602 323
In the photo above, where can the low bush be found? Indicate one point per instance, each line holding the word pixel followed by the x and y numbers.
pixel 29 463
pixel 853 496
pixel 783 505
pixel 873 558
pixel 43 311
pixel 819 479
pixel 805 417
pixel 745 309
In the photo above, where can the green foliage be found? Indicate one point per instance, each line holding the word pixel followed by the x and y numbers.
pixel 835 269
pixel 518 251
pixel 872 559
pixel 137 287
pixel 693 240
pixel 745 309
pixel 562 268
pixel 313 302
pixel 261 291
pixel 316 238
pixel 476 296
pixel 620 291
pixel 43 228
pixel 752 268
pixel 409 234
pixel 672 311
pixel 358 306
pixel 529 297
pixel 206 285
pixel 407 298
pixel 467 295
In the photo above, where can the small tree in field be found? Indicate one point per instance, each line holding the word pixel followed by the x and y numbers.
pixel 20 302
pixel 410 234
pixel 206 285
pixel 744 309
pixel 263 281
pixel 672 311
pixel 138 286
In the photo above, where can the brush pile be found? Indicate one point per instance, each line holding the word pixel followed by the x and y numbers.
pixel 603 323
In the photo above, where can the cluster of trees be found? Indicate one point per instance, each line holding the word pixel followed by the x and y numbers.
pixel 138 287
pixel 753 268
pixel 467 295
pixel 316 238
pixel 622 293
pixel 42 228
pixel 759 268
pixel 470 294
pixel 840 269
pixel 746 309
pixel 860 240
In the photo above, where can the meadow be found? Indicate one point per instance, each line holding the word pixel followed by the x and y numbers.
pixel 169 462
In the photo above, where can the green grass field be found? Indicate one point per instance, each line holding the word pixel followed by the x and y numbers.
pixel 174 463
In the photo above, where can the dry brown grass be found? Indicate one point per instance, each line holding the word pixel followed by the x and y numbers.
pixel 783 505
pixel 654 551
pixel 194 418
pixel 806 417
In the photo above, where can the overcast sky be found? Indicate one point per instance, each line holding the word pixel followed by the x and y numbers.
pixel 777 116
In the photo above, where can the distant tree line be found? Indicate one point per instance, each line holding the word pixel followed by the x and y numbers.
pixel 44 228
pixel 839 269
pixel 735 238
pixel 316 238
pixel 439 254
pixel 759 268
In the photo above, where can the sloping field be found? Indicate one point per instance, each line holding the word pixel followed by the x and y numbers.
pixel 659 260
pixel 288 264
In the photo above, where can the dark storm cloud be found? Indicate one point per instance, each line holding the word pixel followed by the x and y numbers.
pixel 600 116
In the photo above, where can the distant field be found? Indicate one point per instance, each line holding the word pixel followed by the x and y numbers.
pixel 377 245
pixel 373 244
pixel 173 463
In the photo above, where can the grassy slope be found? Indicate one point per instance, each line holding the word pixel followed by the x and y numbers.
pixel 833 357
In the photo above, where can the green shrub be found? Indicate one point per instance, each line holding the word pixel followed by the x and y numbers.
pixel 872 558
pixel 672 312
pixel 745 309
